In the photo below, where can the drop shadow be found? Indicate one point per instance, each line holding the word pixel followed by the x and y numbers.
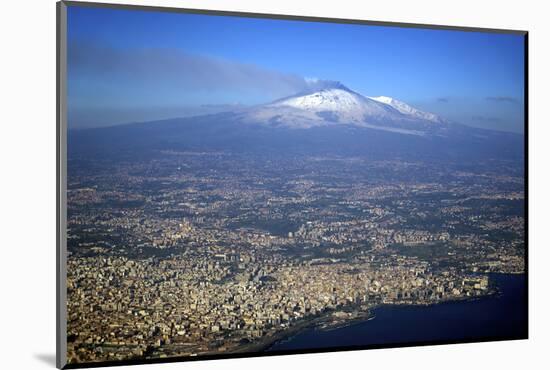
pixel 46 358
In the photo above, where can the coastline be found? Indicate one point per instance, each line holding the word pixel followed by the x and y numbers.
pixel 266 343
pixel 333 320
pixel 497 292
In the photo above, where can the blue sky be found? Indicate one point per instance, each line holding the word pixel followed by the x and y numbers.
pixel 128 65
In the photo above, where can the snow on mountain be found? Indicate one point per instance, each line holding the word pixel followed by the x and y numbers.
pixel 408 110
pixel 330 102
pixel 341 100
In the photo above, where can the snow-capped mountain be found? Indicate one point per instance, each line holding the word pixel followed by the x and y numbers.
pixel 326 119
pixel 331 103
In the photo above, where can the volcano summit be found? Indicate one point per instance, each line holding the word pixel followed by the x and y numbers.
pixel 330 102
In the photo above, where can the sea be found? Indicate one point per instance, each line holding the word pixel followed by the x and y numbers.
pixel 499 316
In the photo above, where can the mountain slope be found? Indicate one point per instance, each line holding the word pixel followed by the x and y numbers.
pixel 406 109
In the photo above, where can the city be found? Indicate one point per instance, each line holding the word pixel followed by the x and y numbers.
pixel 186 253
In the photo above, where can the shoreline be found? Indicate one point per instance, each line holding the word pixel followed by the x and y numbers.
pixel 266 343
pixel 365 313
pixel 328 321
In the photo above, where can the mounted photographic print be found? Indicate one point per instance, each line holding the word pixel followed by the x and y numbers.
pixel 235 184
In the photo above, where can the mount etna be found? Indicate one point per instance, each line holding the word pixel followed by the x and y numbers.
pixel 326 118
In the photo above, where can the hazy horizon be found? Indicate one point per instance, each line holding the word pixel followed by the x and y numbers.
pixel 145 66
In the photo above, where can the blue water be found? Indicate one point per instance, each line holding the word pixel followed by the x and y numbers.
pixel 502 316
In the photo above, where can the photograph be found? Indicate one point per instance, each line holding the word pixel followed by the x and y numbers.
pixel 241 185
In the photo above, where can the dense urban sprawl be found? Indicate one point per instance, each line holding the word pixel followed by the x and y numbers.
pixel 187 253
